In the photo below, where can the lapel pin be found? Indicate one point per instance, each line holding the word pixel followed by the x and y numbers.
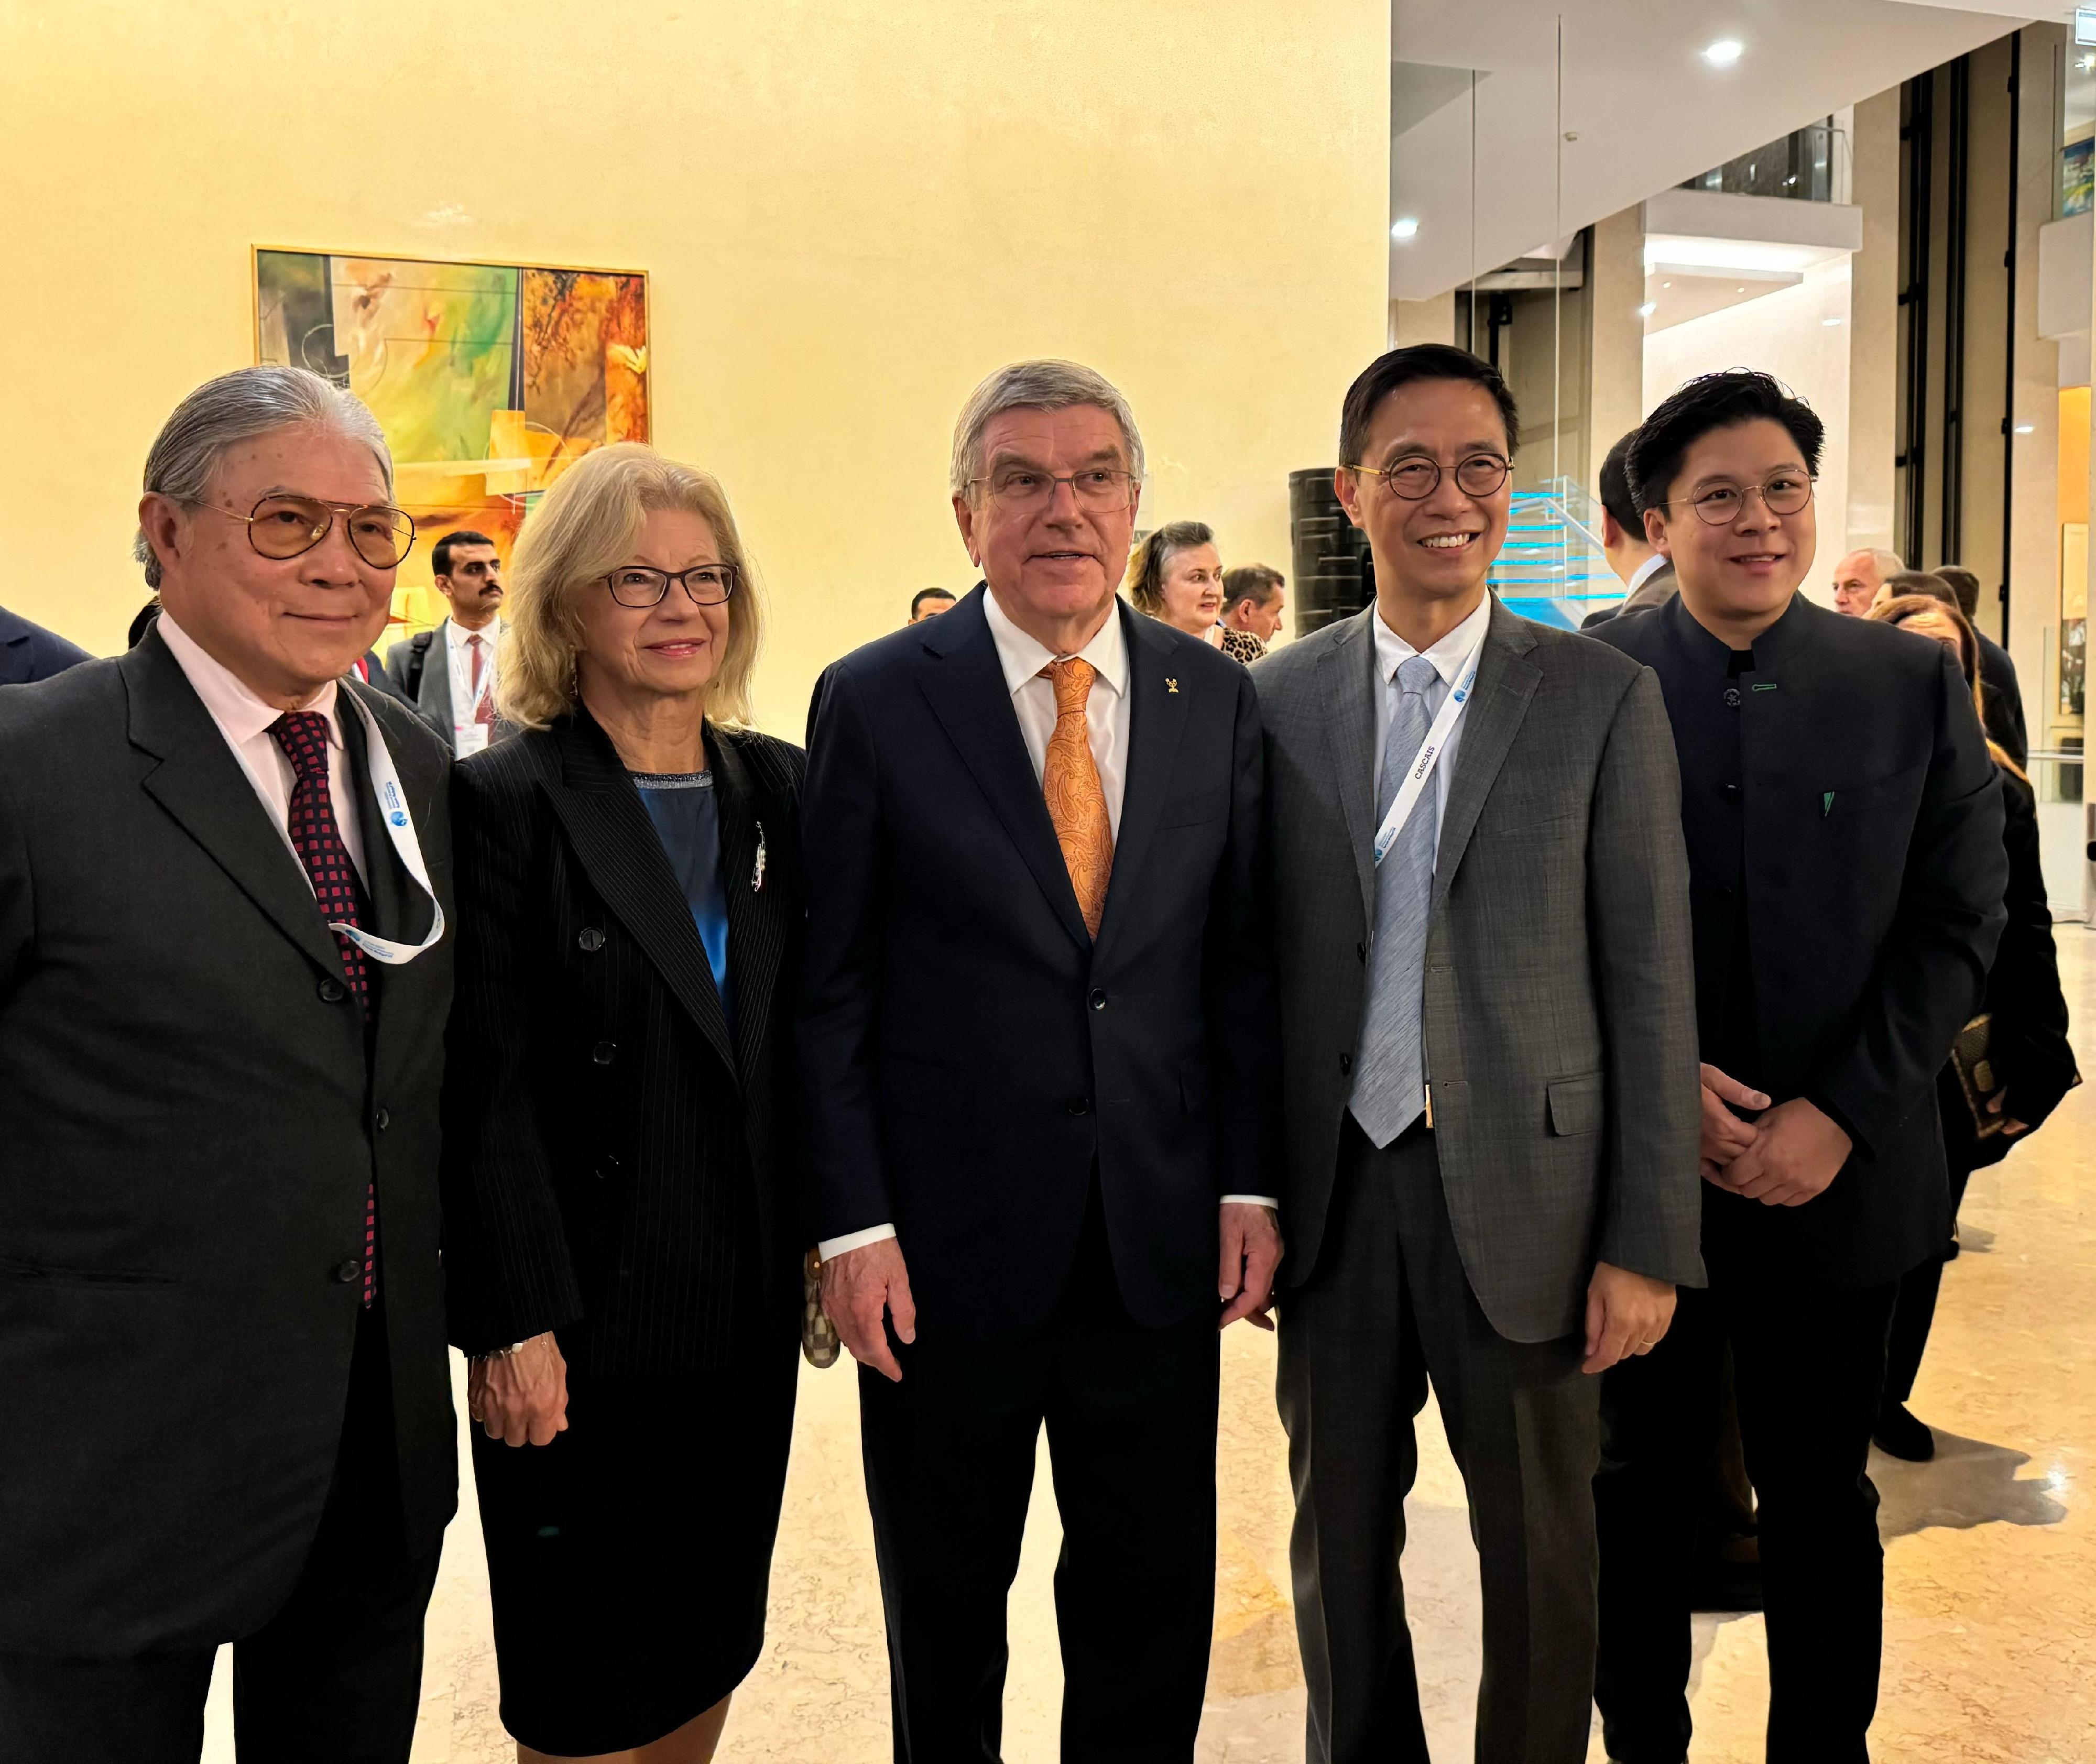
pixel 1826 804
pixel 1170 686
pixel 757 875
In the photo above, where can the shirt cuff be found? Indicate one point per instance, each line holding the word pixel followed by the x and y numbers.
pixel 830 1248
pixel 1252 1200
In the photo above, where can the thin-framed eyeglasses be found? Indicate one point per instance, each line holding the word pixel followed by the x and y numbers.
pixel 283 527
pixel 1721 505
pixel 1102 489
pixel 1415 478
pixel 637 585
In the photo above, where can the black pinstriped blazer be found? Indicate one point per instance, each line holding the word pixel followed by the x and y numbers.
pixel 613 1168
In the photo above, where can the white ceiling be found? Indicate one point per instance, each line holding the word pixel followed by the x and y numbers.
pixel 1647 110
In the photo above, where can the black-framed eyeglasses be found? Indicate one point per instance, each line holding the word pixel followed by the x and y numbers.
pixel 707 584
pixel 1102 489
pixel 1416 478
pixel 1721 505
pixel 284 527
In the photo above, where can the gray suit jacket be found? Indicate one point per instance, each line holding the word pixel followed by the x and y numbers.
pixel 1560 982
pixel 432 699
pixel 1656 590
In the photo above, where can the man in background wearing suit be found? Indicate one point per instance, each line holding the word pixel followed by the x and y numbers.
pixel 1858 577
pixel 1846 872
pixel 1489 1071
pixel 448 674
pixel 1046 1219
pixel 30 653
pixel 1648 577
pixel 224 979
pixel 2002 697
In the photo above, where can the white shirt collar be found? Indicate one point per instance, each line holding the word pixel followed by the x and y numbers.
pixel 1645 572
pixel 233 705
pixel 458 636
pixel 1447 656
pixel 1023 657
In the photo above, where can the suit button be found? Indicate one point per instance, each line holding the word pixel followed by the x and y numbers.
pixel 332 992
pixel 1097 1001
pixel 1731 793
pixel 1078 1105
pixel 381 1120
pixel 346 1271
pixel 1346 1061
pixel 604 1052
pixel 590 939
pixel 1732 696
pixel 606 1167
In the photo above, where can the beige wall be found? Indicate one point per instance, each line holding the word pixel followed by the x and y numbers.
pixel 849 213
pixel 1873 327
pixel 1618 276
pixel 1431 320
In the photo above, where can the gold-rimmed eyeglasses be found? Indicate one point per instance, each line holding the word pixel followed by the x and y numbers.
pixel 1415 478
pixel 1721 505
pixel 1102 489
pixel 283 527
pixel 637 585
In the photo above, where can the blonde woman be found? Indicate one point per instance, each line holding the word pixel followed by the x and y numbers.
pixel 1176 575
pixel 621 1250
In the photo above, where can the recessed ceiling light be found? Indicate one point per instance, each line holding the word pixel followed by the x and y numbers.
pixel 1404 229
pixel 1741 290
pixel 1648 309
pixel 1723 53
pixel 1830 322
pixel 1666 284
pixel 2026 428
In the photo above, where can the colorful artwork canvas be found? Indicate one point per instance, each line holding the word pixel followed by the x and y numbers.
pixel 489 379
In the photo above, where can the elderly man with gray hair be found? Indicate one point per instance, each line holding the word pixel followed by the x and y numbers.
pixel 224 973
pixel 1041 1136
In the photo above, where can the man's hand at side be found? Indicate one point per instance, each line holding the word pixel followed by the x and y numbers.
pixel 1725 1135
pixel 522 1395
pixel 1627 1315
pixel 859 1289
pixel 1252 1252
pixel 1797 1152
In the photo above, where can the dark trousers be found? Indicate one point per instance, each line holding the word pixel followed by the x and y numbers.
pixel 1914 1315
pixel 1807 1367
pixel 333 1677
pixel 949 1453
pixel 1388 1309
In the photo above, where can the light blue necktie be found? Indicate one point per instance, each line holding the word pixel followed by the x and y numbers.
pixel 1390 1075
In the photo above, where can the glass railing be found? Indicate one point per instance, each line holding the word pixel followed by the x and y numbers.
pixel 1808 165
pixel 1551 567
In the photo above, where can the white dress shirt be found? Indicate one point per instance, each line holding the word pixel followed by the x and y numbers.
pixel 1644 573
pixel 245 720
pixel 1106 727
pixel 469 735
pixel 1391 653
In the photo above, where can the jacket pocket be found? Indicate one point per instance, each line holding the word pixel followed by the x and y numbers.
pixel 1575 1106
pixel 11 1269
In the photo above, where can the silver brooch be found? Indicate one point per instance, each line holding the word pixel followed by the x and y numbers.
pixel 757 875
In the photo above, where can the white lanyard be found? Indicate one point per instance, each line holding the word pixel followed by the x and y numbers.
pixel 1430 750
pixel 401 829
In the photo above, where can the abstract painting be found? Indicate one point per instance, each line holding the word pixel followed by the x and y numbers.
pixel 490 380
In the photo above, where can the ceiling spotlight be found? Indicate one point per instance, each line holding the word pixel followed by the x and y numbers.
pixel 1648 309
pixel 2026 428
pixel 1739 290
pixel 1724 52
pixel 1830 322
pixel 1404 229
pixel 1666 284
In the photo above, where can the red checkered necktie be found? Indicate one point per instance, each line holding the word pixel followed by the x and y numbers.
pixel 304 736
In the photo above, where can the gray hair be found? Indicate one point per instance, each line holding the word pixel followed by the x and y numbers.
pixel 1036 386
pixel 237 407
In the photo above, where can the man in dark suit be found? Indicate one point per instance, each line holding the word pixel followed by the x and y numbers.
pixel 448 674
pixel 30 653
pixel 2002 695
pixel 224 979
pixel 1490 1077
pixel 1647 576
pixel 1042 1212
pixel 1846 872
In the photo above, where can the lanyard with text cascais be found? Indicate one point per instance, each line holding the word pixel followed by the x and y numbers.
pixel 1421 773
pixel 401 829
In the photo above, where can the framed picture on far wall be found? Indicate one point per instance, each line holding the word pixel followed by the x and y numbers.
pixel 490 380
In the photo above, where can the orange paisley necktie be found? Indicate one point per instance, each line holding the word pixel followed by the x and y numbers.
pixel 1076 801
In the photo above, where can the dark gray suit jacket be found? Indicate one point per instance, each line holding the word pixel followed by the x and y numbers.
pixel 1656 590
pixel 1560 982
pixel 29 653
pixel 191 1110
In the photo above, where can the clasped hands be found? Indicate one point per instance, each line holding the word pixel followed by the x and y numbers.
pixel 1787 1158
pixel 866 1289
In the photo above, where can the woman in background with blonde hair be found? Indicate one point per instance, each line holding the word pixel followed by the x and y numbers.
pixel 621 1249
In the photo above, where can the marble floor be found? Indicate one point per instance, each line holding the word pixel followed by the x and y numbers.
pixel 1990 1630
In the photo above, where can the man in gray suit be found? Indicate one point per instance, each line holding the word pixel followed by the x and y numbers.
pixel 1647 575
pixel 448 674
pixel 1490 1061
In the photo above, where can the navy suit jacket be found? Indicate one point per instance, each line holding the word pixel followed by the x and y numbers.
pixel 30 653
pixel 969 1057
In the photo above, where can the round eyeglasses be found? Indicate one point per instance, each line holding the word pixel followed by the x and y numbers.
pixel 1415 479
pixel 282 527
pixel 1022 489
pixel 1721 505
pixel 707 584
